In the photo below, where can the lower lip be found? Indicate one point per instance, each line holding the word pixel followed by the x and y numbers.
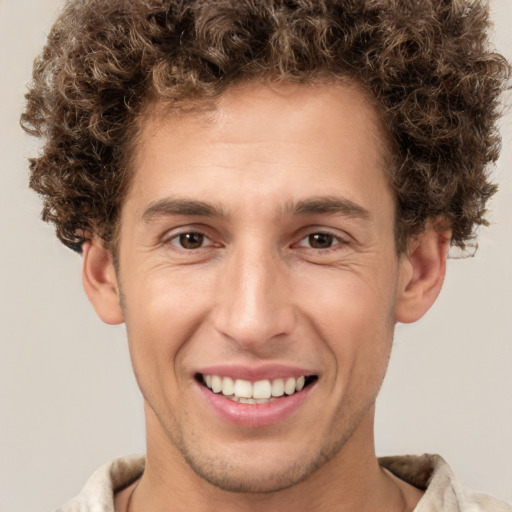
pixel 255 415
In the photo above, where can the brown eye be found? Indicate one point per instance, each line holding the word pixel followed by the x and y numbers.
pixel 191 240
pixel 320 240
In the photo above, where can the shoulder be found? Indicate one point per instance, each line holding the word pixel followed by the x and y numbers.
pixel 443 491
pixel 98 493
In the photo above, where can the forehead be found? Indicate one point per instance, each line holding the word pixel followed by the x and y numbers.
pixel 249 108
pixel 300 137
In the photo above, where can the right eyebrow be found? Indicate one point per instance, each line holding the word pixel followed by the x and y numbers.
pixel 173 206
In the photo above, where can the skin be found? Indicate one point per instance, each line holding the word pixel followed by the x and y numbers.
pixel 259 289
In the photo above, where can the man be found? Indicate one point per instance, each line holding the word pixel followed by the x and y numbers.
pixel 261 191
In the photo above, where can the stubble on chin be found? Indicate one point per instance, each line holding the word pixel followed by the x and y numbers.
pixel 239 477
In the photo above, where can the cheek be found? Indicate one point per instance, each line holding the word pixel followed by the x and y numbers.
pixel 354 318
pixel 162 312
pixel 347 302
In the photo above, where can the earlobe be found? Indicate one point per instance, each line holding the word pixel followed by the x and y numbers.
pixel 422 274
pixel 100 282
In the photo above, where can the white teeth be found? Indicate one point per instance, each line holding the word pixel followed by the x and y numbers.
pixel 216 383
pixel 228 386
pixel 278 387
pixel 243 388
pixel 262 389
pixel 289 386
pixel 259 392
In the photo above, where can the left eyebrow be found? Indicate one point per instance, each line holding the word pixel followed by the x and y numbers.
pixel 173 206
pixel 328 205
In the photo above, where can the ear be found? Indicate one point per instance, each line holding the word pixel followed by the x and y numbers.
pixel 422 272
pixel 100 282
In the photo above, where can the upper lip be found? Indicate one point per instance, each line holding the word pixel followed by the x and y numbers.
pixel 255 373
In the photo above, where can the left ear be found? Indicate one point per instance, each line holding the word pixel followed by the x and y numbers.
pixel 422 272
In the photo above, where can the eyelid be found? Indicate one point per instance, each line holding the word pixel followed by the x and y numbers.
pixel 175 233
pixel 179 235
pixel 342 239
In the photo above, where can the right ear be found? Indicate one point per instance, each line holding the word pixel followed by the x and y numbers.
pixel 100 282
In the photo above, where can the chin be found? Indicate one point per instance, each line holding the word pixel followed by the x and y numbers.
pixel 250 479
pixel 260 472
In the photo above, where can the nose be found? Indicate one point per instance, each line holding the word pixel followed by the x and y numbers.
pixel 254 304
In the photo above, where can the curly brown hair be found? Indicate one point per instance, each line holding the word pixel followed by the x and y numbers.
pixel 427 63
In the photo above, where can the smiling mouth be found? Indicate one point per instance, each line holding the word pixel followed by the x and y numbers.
pixel 258 392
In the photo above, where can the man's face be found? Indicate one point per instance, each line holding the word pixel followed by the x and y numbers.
pixel 257 245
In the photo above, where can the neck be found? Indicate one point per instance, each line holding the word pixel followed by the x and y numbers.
pixel 350 481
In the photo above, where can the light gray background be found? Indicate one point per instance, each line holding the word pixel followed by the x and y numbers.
pixel 68 401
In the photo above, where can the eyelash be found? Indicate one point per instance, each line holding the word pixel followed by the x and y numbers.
pixel 178 238
pixel 335 241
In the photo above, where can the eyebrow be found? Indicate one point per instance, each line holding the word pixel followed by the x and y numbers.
pixel 312 206
pixel 171 206
pixel 328 205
